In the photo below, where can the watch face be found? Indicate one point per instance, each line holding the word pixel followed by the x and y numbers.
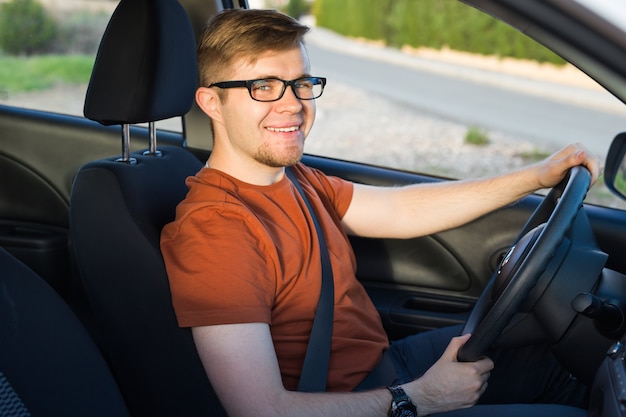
pixel 403 413
pixel 404 410
pixel 401 405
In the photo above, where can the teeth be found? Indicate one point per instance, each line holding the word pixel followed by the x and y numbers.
pixel 283 129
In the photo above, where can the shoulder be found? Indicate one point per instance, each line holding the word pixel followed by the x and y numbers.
pixel 321 181
pixel 211 207
pixel 337 190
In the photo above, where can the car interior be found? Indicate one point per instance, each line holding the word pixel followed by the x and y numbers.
pixel 50 363
pixel 125 288
pixel 82 244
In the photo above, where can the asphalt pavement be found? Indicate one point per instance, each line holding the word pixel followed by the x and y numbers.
pixel 542 111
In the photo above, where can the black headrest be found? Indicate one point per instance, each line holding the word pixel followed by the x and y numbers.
pixel 145 69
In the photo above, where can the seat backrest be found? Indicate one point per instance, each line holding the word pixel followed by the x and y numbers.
pixel 117 209
pixel 49 365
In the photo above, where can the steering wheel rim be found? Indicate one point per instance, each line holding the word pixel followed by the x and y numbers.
pixel 538 241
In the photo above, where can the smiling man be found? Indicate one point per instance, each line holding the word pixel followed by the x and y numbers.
pixel 244 260
pixel 267 132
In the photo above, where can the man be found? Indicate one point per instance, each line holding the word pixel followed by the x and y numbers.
pixel 243 257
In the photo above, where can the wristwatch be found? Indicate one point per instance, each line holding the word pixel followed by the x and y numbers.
pixel 401 404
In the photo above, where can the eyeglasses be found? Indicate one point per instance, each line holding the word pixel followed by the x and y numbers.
pixel 273 89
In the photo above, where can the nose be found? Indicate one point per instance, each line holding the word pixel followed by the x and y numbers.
pixel 289 101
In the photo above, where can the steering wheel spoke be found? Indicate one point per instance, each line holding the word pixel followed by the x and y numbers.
pixel 524 263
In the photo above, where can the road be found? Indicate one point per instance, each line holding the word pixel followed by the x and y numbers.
pixel 541 112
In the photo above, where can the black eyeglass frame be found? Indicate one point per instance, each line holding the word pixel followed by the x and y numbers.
pixel 248 84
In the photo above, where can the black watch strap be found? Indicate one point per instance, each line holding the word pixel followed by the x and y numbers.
pixel 401 404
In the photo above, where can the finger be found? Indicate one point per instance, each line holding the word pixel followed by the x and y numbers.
pixel 483 388
pixel 575 155
pixel 484 366
pixel 453 347
pixel 587 160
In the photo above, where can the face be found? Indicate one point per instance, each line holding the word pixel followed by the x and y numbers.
pixel 256 134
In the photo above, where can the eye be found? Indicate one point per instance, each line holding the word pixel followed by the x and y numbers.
pixel 263 85
pixel 304 83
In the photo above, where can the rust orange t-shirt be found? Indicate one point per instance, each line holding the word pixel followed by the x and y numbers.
pixel 242 253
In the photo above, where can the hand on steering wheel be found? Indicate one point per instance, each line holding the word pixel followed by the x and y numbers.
pixel 524 263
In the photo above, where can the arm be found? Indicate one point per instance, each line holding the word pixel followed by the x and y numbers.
pixel 423 209
pixel 242 366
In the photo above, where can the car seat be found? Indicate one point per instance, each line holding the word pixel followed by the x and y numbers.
pixel 145 71
pixel 49 365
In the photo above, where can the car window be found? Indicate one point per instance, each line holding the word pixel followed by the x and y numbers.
pixel 47 51
pixel 451 113
pixel 435 110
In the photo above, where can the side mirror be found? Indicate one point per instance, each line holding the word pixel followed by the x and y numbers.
pixel 615 167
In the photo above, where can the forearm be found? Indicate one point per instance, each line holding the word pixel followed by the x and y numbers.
pixel 241 364
pixel 423 209
pixel 375 403
pixel 432 208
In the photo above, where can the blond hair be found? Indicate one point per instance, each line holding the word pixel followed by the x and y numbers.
pixel 244 33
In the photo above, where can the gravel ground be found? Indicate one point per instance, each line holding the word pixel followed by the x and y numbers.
pixel 358 126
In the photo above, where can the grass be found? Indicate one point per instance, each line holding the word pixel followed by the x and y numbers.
pixel 476 136
pixel 535 155
pixel 23 74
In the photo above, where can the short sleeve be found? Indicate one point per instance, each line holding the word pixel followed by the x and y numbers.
pixel 203 252
pixel 337 190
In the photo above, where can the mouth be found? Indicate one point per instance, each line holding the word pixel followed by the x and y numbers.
pixel 287 129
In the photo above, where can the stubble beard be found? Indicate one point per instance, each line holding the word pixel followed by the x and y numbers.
pixel 272 158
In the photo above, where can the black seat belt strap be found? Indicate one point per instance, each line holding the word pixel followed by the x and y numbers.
pixel 315 368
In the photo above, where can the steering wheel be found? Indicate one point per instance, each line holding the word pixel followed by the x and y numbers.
pixel 524 263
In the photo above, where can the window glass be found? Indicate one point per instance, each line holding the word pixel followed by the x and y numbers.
pixel 451 113
pixel 47 51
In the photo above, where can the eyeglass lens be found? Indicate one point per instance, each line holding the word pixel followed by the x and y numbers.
pixel 271 89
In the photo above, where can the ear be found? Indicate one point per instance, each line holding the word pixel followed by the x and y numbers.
pixel 209 102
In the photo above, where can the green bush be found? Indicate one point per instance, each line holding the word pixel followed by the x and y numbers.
pixel 79 32
pixel 476 136
pixel 19 74
pixel 429 23
pixel 362 18
pixel 25 27
pixel 297 8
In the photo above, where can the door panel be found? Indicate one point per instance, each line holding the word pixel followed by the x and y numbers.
pixel 423 262
pixel 39 156
pixel 424 283
pixel 57 145
pixel 416 284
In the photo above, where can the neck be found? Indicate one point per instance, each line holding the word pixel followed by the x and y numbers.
pixel 248 171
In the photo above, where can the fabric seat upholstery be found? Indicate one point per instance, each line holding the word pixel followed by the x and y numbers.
pixel 145 71
pixel 46 355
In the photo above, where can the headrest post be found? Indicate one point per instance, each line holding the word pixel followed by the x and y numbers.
pixel 153 142
pixel 126 146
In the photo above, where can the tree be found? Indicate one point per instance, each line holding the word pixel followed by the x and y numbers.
pixel 297 8
pixel 25 27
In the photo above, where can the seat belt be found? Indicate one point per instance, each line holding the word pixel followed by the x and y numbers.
pixel 315 367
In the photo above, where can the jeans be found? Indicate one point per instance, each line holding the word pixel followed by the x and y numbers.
pixel 529 377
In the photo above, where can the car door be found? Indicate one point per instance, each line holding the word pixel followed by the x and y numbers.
pixel 44 139
pixel 362 135
pixel 433 281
